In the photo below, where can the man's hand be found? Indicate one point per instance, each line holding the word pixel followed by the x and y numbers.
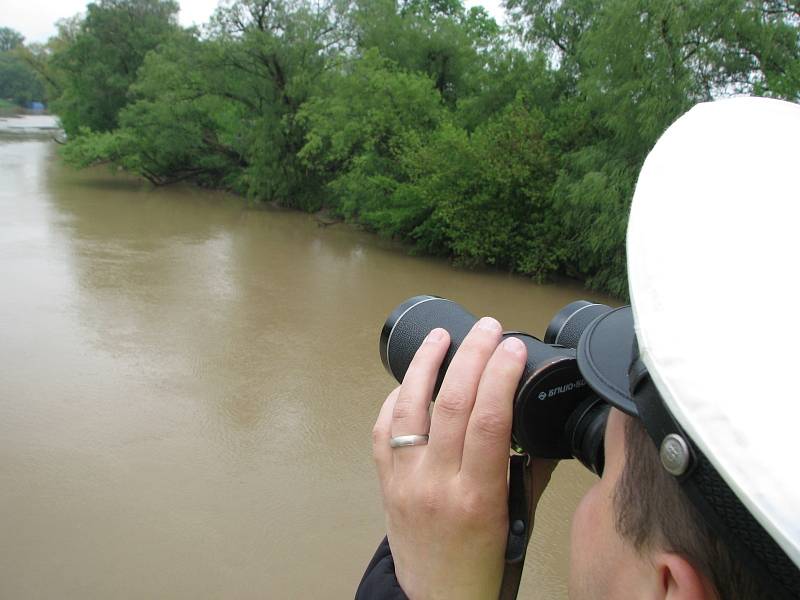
pixel 446 502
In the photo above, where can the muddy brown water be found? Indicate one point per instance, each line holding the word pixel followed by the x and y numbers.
pixel 187 388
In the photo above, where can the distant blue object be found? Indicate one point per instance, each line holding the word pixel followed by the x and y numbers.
pixel 37 106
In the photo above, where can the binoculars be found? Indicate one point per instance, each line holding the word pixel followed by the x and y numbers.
pixel 556 414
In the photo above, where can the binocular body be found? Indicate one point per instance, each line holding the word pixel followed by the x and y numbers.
pixel 556 414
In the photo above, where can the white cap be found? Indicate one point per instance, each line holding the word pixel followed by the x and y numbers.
pixel 713 251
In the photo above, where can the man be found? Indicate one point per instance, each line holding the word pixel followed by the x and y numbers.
pixel 699 495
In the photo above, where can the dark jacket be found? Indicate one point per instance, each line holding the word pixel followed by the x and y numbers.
pixel 379 581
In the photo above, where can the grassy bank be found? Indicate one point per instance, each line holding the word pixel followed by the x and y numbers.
pixel 8 108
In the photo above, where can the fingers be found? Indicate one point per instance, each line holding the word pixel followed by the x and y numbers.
pixel 410 414
pixel 381 433
pixel 488 433
pixel 457 395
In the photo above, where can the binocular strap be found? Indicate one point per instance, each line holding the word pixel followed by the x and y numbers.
pixel 520 524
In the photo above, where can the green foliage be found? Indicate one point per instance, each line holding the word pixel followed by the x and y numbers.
pixel 626 70
pixel 41 58
pixel 359 130
pixel 514 148
pixel 489 192
pixel 433 37
pixel 10 39
pixel 172 131
pixel 90 148
pixel 181 130
pixel 275 54
pixel 103 59
pixel 18 82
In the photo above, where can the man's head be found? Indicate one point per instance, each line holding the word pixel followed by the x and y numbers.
pixel 612 557
pixel 636 535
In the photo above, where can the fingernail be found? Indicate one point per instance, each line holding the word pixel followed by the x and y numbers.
pixel 513 345
pixel 435 335
pixel 489 324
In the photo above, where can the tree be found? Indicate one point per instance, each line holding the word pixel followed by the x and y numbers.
pixel 554 27
pixel 10 39
pixel 627 69
pixel 489 193
pixel 99 65
pixel 761 53
pixel 437 38
pixel 18 81
pixel 275 53
pixel 222 110
pixel 174 129
pixel 357 133
pixel 39 57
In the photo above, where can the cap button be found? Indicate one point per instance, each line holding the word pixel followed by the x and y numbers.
pixel 674 454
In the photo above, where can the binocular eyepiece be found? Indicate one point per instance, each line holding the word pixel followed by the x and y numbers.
pixel 556 414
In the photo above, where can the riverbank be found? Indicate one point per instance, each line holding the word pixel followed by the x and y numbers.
pixel 328 215
pixel 41 125
pixel 30 123
pixel 8 108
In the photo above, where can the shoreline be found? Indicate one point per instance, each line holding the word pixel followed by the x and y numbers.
pixel 323 217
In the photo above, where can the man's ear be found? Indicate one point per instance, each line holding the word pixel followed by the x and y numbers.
pixel 680 580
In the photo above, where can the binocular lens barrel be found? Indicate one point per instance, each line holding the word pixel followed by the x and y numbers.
pixel 570 322
pixel 555 413
pixel 409 324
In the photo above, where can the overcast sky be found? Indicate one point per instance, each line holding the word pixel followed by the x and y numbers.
pixel 35 19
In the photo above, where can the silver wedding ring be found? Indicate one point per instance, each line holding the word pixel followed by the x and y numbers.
pixel 408 440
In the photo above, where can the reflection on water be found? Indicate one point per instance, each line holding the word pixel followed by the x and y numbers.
pixel 189 386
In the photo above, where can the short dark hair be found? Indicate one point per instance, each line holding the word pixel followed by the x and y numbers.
pixel 654 514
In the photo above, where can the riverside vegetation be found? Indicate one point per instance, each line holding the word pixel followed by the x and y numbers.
pixel 513 146
pixel 19 83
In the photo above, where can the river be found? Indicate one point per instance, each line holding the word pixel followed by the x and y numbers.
pixel 188 384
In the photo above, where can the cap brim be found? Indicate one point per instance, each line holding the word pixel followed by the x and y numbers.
pixel 604 355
